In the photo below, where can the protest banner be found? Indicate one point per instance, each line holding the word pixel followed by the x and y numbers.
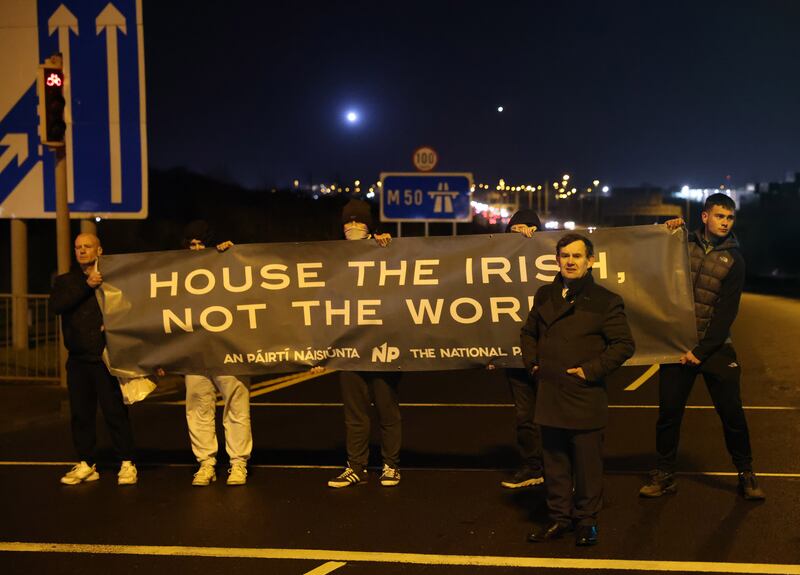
pixel 419 304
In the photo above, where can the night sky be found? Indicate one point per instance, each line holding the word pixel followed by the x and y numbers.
pixel 667 93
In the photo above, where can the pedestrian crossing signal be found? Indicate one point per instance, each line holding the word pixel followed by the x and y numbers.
pixel 50 84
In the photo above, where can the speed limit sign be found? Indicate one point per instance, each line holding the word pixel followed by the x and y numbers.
pixel 425 159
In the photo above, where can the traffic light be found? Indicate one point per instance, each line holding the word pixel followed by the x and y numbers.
pixel 50 84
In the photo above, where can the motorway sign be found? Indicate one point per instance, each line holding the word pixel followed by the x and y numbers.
pixel 431 197
pixel 101 44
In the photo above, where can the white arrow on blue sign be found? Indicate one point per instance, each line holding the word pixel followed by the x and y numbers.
pixel 102 48
pixel 431 197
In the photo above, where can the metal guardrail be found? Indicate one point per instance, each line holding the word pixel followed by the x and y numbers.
pixel 29 339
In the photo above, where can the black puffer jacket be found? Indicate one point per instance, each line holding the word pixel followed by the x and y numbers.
pixel 718 279
pixel 81 319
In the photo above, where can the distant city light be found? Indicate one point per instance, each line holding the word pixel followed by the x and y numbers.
pixel 605 189
pixel 569 225
pixel 700 194
pixel 370 194
pixel 551 225
pixel 352 117
pixel 500 108
pixel 97 218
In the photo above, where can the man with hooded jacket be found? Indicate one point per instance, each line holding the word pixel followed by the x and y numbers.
pixel 718 276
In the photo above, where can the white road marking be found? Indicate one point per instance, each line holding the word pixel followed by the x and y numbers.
pixel 406 558
pixel 326 568
pixel 637 383
pixel 501 405
pixel 144 464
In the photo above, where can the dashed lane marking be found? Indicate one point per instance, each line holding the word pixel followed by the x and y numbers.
pixel 406 558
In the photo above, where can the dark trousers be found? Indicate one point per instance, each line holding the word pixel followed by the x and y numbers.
pixel 722 375
pixel 529 437
pixel 358 392
pixel 90 383
pixel 573 458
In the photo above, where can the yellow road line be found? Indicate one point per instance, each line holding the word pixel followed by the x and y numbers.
pixel 262 387
pixel 637 383
pixel 297 378
pixel 406 558
pixel 326 568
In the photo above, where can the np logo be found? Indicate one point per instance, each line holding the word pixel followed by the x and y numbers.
pixel 384 353
pixel 443 199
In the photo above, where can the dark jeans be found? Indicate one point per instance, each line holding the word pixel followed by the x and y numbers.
pixel 529 437
pixel 573 458
pixel 356 396
pixel 90 383
pixel 722 375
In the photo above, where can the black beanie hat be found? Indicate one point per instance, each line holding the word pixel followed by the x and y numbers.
pixel 527 217
pixel 357 211
pixel 197 230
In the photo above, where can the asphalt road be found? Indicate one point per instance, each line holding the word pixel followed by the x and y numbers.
pixel 448 515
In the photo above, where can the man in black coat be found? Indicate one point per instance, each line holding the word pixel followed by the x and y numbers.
pixel 88 380
pixel 575 336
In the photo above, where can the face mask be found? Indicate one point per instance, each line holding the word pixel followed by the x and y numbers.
pixel 356 234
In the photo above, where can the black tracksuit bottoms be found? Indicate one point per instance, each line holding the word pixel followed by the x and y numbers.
pixel 359 390
pixel 90 383
pixel 722 374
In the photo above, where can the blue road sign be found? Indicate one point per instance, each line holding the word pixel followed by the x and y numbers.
pixel 102 49
pixel 431 197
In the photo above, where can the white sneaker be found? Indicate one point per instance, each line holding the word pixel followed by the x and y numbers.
pixel 237 474
pixel 390 476
pixel 205 475
pixel 127 474
pixel 80 473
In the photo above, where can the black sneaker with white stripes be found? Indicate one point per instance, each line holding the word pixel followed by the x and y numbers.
pixel 348 477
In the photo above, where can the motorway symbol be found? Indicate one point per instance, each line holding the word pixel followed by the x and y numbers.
pixel 101 44
pixel 431 197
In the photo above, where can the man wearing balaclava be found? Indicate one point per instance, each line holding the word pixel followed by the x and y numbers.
pixel 201 401
pixel 360 389
pixel 523 390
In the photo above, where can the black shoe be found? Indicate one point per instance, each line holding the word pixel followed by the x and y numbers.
pixel 586 535
pixel 748 487
pixel 524 477
pixel 660 482
pixel 553 531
